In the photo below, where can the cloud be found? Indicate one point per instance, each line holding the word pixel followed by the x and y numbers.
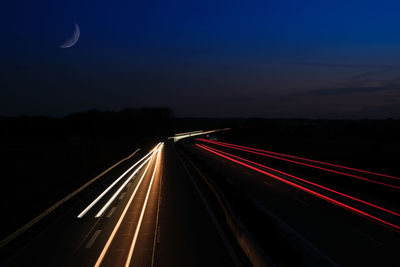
pixel 386 76
pixel 344 91
pixel 368 79
pixel 352 66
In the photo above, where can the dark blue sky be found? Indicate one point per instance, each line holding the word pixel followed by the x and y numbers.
pixel 315 59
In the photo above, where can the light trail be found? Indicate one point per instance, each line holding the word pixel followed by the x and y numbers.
pixel 80 215
pixel 109 202
pixel 56 205
pixel 104 208
pixel 328 199
pixel 180 136
pixel 305 159
pixel 111 237
pixel 305 164
pixel 188 133
pixel 305 181
pixel 132 247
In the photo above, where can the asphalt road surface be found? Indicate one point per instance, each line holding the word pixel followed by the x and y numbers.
pixel 156 218
pixel 325 232
pixel 161 209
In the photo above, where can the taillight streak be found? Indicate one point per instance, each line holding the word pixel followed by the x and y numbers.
pixel 306 181
pixel 311 160
pixel 301 163
pixel 338 203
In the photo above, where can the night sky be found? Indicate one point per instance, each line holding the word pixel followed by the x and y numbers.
pixel 310 59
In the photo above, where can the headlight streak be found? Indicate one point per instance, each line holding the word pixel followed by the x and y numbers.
pixel 305 164
pixel 328 199
pixel 132 247
pixel 109 202
pixel 180 136
pixel 111 237
pixel 111 186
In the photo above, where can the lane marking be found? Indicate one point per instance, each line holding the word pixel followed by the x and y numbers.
pixel 368 237
pixel 91 241
pixel 111 237
pixel 287 228
pixel 46 212
pixel 110 187
pixel 111 212
pixel 109 202
pixel 157 228
pixel 319 195
pixel 122 196
pixel 87 235
pixel 132 247
pixel 301 201
pixel 218 227
pixel 267 184
pixel 237 160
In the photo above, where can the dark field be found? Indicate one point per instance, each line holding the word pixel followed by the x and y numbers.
pixel 366 144
pixel 44 159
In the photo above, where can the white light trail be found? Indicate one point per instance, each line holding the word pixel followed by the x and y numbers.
pixel 180 136
pixel 112 185
pixel 111 237
pixel 128 260
pixel 120 189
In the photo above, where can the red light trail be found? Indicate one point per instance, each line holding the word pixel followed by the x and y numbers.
pixel 316 161
pixel 252 150
pixel 303 180
pixel 338 203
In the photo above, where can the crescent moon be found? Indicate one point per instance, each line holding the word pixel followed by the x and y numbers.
pixel 74 39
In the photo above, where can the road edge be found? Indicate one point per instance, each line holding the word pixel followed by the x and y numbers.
pixel 12 236
pixel 251 249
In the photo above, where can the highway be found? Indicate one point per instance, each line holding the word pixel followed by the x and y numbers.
pixel 146 213
pixel 195 201
pixel 327 215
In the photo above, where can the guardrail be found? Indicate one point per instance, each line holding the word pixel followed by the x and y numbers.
pixel 249 245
